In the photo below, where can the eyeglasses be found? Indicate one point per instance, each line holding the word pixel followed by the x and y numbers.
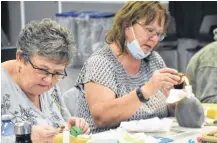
pixel 152 32
pixel 45 73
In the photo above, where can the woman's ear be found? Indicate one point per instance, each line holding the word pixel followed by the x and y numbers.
pixel 127 30
pixel 19 60
pixel 19 55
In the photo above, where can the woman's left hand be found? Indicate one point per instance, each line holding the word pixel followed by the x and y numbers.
pixel 182 79
pixel 80 122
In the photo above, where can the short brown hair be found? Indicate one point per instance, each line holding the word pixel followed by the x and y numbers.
pixel 130 13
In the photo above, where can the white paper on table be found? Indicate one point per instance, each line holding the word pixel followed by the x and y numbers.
pixel 148 125
pixel 175 95
pixel 125 137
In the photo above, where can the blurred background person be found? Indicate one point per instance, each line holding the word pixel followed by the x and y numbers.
pixel 202 72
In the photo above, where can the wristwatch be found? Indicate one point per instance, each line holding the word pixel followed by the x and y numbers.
pixel 141 96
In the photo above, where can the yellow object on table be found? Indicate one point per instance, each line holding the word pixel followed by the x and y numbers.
pixel 210 136
pixel 59 139
pixel 211 110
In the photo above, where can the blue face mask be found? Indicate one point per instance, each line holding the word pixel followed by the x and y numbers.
pixel 135 49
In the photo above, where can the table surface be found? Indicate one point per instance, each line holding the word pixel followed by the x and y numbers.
pixel 177 133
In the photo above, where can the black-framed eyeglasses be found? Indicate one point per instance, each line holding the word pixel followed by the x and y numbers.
pixel 45 73
pixel 153 32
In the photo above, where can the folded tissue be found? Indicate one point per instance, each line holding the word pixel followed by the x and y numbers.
pixel 149 125
pixel 125 137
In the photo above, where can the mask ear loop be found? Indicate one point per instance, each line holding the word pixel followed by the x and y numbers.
pixel 133 32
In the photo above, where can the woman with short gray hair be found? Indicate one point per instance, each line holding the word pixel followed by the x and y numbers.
pixel 29 90
pixel 48 39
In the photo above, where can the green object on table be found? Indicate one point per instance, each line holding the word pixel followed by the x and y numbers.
pixel 75 131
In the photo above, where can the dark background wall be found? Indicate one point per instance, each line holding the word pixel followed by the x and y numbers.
pixel 36 10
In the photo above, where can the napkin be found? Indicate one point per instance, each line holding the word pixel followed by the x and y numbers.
pixel 149 125
pixel 125 137
pixel 175 95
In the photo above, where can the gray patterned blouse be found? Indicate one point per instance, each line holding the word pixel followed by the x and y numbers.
pixel 103 68
pixel 15 102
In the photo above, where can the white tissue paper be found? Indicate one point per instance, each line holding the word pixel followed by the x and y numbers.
pixel 148 125
pixel 175 95
pixel 125 137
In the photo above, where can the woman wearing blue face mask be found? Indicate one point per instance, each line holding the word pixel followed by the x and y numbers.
pixel 112 81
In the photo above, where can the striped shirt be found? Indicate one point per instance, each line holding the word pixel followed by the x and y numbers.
pixel 103 67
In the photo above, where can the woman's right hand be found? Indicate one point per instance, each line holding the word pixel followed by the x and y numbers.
pixel 43 134
pixel 164 78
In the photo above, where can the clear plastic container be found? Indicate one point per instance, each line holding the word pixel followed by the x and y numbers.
pixel 7 129
pixel 89 29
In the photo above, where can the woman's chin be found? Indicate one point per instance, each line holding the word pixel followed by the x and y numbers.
pixel 146 49
pixel 41 89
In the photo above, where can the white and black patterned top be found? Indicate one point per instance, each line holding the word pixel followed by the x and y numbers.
pixel 15 102
pixel 103 68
